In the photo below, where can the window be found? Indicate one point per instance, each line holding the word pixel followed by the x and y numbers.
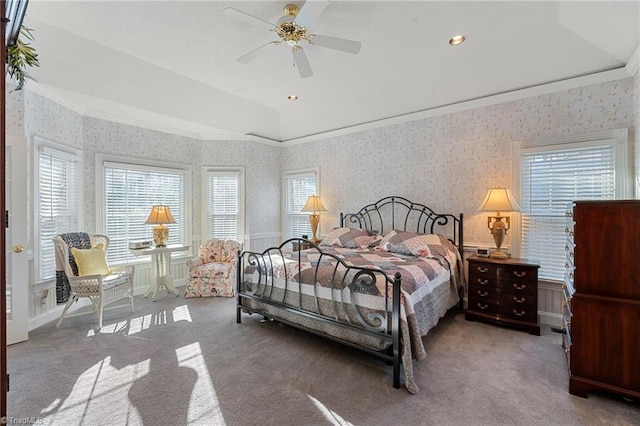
pixel 224 204
pixel 299 185
pixel 129 192
pixel 58 203
pixel 552 176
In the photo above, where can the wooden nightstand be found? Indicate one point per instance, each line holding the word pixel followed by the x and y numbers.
pixel 300 245
pixel 504 292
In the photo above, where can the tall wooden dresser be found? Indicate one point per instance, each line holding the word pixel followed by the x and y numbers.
pixel 602 297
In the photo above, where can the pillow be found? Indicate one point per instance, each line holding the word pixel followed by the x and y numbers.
pixel 91 261
pixel 411 243
pixel 347 238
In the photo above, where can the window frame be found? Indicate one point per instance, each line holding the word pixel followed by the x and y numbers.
pixel 241 215
pixel 65 153
pixel 140 164
pixel 291 174
pixel 618 139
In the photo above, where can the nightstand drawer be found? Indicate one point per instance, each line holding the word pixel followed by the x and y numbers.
pixel 517 277
pixel 500 297
pixel 520 313
pixel 493 308
pixel 503 291
pixel 482 271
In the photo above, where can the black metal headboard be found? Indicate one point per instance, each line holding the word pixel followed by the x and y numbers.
pixel 398 213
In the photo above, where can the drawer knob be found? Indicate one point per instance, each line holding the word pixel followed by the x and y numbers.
pixel 482 306
pixel 519 287
pixel 483 282
pixel 519 300
pixel 482 293
pixel 481 269
pixel 519 274
pixel 520 314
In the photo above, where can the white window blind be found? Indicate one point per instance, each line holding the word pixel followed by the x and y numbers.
pixel 551 179
pixel 224 204
pixel 58 204
pixel 129 193
pixel 298 187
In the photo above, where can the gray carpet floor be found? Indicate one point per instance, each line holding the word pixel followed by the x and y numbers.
pixel 183 361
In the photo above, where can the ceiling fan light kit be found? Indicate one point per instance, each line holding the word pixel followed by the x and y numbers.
pixel 291 33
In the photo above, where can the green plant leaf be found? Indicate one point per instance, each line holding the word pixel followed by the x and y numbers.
pixel 21 56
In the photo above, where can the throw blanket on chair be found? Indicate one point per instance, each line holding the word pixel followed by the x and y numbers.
pixel 80 240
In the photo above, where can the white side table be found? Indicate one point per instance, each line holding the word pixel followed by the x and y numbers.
pixel 161 263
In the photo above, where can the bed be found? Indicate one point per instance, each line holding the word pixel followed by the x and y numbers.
pixel 378 282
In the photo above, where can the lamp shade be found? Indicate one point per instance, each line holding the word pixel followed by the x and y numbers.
pixel 160 215
pixel 499 200
pixel 313 204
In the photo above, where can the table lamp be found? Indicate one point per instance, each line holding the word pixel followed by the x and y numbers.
pixel 159 216
pixel 499 200
pixel 314 205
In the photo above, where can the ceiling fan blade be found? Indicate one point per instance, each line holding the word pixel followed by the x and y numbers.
pixel 309 11
pixel 301 61
pixel 244 16
pixel 341 44
pixel 248 57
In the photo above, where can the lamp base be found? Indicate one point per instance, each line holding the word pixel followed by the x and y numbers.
pixel 498 254
pixel 161 235
pixel 314 219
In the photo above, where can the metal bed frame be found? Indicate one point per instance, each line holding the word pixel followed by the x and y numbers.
pixel 397 213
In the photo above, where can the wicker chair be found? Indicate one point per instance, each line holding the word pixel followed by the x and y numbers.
pixel 101 290
pixel 213 272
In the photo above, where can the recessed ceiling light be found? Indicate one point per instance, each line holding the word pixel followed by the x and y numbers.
pixel 456 40
pixel 292 97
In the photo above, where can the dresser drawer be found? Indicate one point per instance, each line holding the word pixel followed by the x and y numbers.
pixel 517 278
pixel 503 291
pixel 500 297
pixel 482 274
pixel 520 312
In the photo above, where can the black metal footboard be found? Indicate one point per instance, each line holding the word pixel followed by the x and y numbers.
pixel 320 293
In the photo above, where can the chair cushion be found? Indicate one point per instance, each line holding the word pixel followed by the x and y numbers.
pixel 212 270
pixel 219 251
pixel 91 261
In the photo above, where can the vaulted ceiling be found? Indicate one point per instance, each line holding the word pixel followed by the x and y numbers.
pixel 172 64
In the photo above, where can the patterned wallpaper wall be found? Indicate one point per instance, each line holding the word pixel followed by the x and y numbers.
pixel 448 162
pixel 53 122
pixel 14 111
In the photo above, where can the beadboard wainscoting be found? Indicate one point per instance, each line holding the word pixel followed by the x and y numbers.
pixel 550 303
pixel 260 242
pixel 43 299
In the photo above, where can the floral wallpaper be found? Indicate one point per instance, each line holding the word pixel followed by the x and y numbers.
pixel 448 162
pixel 93 136
pixel 14 111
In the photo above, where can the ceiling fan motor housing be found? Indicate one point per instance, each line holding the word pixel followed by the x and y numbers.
pixel 287 29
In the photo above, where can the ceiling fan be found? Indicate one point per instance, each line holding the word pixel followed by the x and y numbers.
pixel 291 30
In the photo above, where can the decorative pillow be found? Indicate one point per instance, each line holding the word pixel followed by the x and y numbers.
pixel 91 261
pixel 411 243
pixel 370 241
pixel 347 238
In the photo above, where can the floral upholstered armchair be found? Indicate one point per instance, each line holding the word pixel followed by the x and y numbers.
pixel 213 272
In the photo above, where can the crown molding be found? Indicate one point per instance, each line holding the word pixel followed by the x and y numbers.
pixel 152 121
pixel 633 65
pixel 543 89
